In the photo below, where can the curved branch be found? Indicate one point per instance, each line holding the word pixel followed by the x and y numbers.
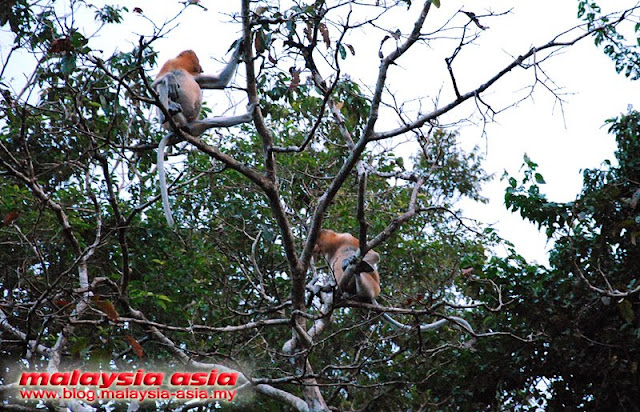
pixel 518 61
pixel 414 36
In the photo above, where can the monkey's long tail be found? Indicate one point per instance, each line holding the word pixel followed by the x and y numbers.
pixel 428 326
pixel 162 178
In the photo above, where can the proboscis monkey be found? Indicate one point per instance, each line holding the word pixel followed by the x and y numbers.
pixel 340 249
pixel 179 86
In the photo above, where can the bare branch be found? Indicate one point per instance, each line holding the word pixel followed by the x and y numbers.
pixel 517 62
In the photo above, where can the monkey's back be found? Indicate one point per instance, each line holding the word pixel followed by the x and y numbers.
pixel 189 96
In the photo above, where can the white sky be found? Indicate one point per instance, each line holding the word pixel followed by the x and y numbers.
pixel 562 142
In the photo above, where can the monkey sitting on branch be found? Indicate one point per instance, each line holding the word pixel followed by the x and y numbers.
pixel 341 250
pixel 179 86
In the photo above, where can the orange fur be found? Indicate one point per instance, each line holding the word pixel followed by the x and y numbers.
pixel 336 247
pixel 186 60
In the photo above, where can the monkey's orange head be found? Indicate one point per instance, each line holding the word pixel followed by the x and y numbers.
pixel 190 62
pixel 326 241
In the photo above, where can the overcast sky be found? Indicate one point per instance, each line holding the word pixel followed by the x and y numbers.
pixel 563 139
pixel 563 142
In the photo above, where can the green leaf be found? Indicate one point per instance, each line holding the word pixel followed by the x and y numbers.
pixel 343 52
pixel 436 3
pixel 539 179
pixel 164 297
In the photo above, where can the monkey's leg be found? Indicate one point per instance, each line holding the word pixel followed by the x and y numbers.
pixel 169 93
pixel 366 286
pixel 196 128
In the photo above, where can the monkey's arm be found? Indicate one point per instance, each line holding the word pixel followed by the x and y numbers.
pixel 368 264
pixel 222 79
pixel 196 128
pixel 168 91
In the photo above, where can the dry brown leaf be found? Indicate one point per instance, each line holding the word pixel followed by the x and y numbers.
pixel 325 34
pixel 135 345
pixel 107 307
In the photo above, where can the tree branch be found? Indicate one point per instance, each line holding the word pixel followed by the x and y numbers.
pixel 518 61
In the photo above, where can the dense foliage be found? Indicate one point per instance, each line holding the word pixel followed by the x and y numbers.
pixel 587 302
